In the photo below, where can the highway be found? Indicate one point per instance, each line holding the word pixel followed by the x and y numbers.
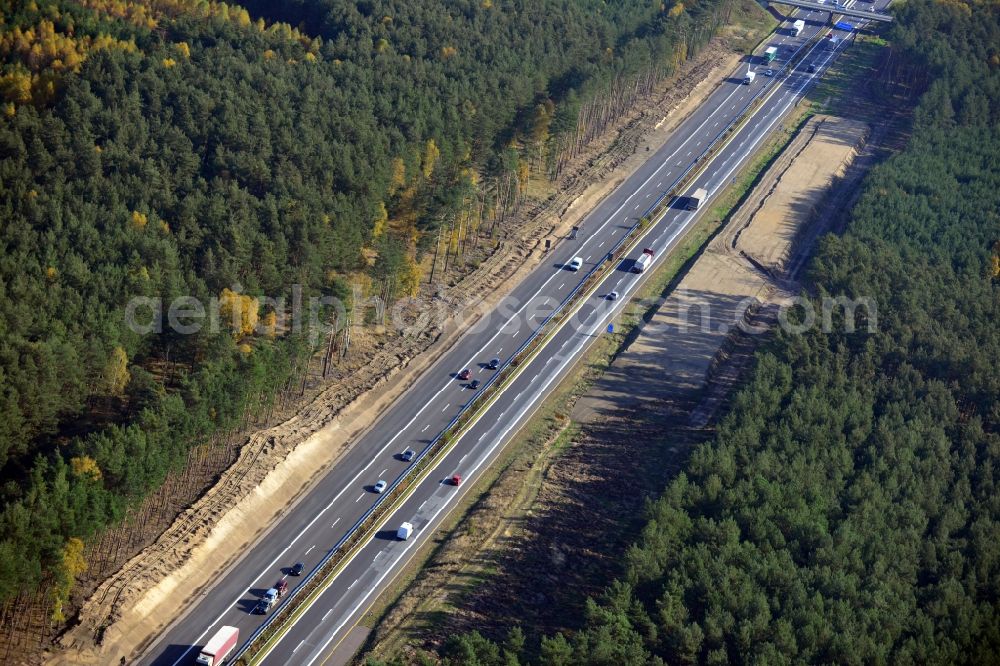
pixel 311 527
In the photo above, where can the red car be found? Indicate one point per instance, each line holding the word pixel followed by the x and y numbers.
pixel 282 587
pixel 456 480
pixel 465 374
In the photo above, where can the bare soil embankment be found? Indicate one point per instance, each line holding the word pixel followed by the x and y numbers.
pixel 548 532
pixel 742 269
pixel 279 464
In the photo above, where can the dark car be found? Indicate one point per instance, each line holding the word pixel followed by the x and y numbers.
pixel 474 384
pixel 263 605
pixel 465 374
pixel 494 364
pixel 297 569
pixel 811 69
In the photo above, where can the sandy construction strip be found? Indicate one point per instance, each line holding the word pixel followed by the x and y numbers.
pixel 742 268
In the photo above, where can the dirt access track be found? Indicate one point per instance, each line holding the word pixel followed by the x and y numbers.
pixel 279 465
pixel 518 556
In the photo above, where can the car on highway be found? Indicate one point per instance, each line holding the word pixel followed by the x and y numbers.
pixel 474 384
pixel 380 486
pixel 282 587
pixel 407 455
pixel 465 374
pixel 456 480
pixel 811 69
pixel 613 296
pixel 769 72
pixel 575 264
pixel 494 364
pixel 297 569
pixel 265 603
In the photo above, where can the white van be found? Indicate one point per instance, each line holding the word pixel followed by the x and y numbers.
pixel 404 531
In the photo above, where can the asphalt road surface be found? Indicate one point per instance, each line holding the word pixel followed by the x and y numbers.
pixel 320 519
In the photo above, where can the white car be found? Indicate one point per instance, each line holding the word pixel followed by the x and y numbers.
pixel 575 264
pixel 769 72
pixel 380 486
pixel 613 296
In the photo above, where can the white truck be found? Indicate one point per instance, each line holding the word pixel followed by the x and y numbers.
pixel 219 646
pixel 696 199
pixel 404 531
pixel 748 79
pixel 798 27
pixel 643 262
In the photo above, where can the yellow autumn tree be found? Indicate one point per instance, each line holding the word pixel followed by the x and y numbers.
pixel 71 565
pixel 115 375
pixel 381 218
pixel 398 178
pixel 409 278
pixel 85 466
pixel 239 312
pixel 184 49
pixel 270 325
pixel 431 155
pixel 139 220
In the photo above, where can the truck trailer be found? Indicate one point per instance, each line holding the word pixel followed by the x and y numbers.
pixel 798 27
pixel 770 53
pixel 643 262
pixel 697 198
pixel 219 647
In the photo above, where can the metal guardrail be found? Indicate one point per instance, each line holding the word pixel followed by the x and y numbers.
pixel 388 501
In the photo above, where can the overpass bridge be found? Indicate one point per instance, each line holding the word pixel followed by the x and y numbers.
pixel 829 6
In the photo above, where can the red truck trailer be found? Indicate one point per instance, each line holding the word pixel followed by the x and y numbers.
pixel 219 646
